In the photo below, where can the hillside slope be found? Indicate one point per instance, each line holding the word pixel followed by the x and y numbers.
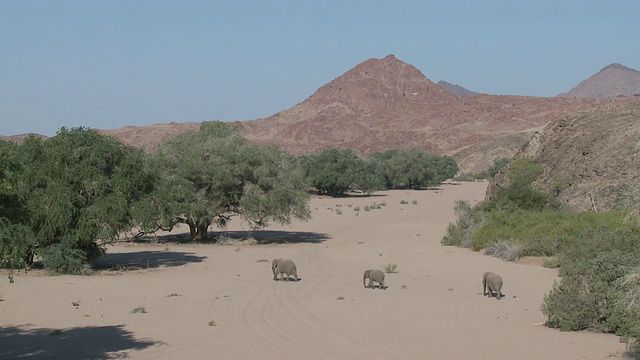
pixel 386 104
pixel 594 152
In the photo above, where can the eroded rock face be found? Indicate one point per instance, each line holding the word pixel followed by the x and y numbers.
pixel 588 156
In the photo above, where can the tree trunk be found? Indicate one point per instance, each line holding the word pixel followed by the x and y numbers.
pixel 193 230
pixel 202 231
pixel 199 230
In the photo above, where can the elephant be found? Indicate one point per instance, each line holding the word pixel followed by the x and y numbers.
pixel 284 266
pixel 373 276
pixel 493 283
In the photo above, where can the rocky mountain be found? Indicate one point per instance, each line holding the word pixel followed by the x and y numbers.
pixel 384 104
pixel 612 81
pixel 456 89
pixel 589 155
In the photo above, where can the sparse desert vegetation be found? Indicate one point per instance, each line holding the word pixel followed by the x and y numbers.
pixel 193 281
pixel 139 310
pixel 391 268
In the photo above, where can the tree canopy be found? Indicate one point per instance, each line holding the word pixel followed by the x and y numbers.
pixel 214 174
pixel 73 192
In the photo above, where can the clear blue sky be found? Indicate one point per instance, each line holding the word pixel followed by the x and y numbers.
pixel 107 64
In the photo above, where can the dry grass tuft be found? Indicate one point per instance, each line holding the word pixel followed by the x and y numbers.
pixel 504 250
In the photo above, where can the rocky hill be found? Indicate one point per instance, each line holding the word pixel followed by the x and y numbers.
pixel 386 104
pixel 612 81
pixel 593 154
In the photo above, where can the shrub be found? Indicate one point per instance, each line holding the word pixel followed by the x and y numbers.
pixel 17 245
pixel 63 259
pixel 390 268
pixel 507 250
pixel 519 194
pixel 459 234
pixel 585 297
pixel 139 310
pixel 551 262
pixel 542 233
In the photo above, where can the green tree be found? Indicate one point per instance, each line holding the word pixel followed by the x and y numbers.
pixel 332 171
pixel 214 174
pixel 414 168
pixel 78 189
pixel 369 178
pixel 17 244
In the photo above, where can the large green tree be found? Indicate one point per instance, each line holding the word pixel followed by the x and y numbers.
pixel 78 189
pixel 332 171
pixel 17 244
pixel 209 176
pixel 414 168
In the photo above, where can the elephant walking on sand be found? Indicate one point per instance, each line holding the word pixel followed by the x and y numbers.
pixel 493 283
pixel 284 267
pixel 373 276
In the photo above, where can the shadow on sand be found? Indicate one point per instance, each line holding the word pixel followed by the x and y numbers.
pixel 225 237
pixel 145 260
pixel 100 342
pixel 275 237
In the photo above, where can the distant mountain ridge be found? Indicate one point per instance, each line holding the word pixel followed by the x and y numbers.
pixel 612 81
pixel 456 89
pixel 384 104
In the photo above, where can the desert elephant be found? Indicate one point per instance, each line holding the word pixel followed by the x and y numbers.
pixel 492 282
pixel 284 266
pixel 373 275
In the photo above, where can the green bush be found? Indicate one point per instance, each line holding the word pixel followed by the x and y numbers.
pixel 469 220
pixel 586 297
pixel 519 194
pixel 63 258
pixel 542 233
pixel 17 245
pixel 390 268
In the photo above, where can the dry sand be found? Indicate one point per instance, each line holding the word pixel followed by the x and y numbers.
pixel 220 302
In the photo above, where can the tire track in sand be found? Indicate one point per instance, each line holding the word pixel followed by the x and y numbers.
pixel 280 315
